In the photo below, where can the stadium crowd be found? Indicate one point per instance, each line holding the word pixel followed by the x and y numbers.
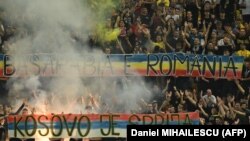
pixel 207 27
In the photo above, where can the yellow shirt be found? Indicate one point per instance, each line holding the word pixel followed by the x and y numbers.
pixel 166 2
pixel 160 44
pixel 245 53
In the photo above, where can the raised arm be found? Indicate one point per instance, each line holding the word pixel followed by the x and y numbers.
pixel 239 112
pixel 203 111
pixel 166 87
pixel 221 109
pixel 152 19
pixel 239 86
pixel 190 98
pixel 206 34
pixel 19 109
pixel 120 47
pixel 197 4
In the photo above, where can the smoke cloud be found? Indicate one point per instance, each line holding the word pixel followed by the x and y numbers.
pixel 62 27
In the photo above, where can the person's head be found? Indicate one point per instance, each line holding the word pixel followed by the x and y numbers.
pixel 213 17
pixel 158 38
pixel 194 31
pixel 229 97
pixel 158 30
pixel 139 2
pixel 246 25
pixel 237 106
pixel 145 50
pixel 127 14
pixel 200 32
pixel 229 27
pixel 10 30
pixel 207 6
pixel 144 11
pixel 210 46
pixel 150 107
pixel 218 121
pixel 168 95
pixel 196 41
pixel 107 50
pixel 156 49
pixel 222 15
pixel 209 92
pixel 172 11
pixel 88 109
pixel 214 35
pixel 243 105
pixel 178 11
pixel 247 62
pixel 158 12
pixel 137 49
pixel 226 52
pixel 171 21
pixel 201 102
pixel 239 17
pixel 189 15
pixel 242 46
pixel 189 93
pixel 154 104
pixel 33 110
pixel 180 108
pixel 230 115
pixel 238 22
pixel 177 95
pixel 121 23
pixel 242 32
pixel 226 40
pixel 25 111
pixel 214 111
pixel 202 120
pixel 2 121
pixel 171 109
pixel 176 33
pixel 226 122
pixel 138 20
pixel 194 90
pixel 8 110
pixel 218 25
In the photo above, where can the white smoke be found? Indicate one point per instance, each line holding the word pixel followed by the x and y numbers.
pixel 62 27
